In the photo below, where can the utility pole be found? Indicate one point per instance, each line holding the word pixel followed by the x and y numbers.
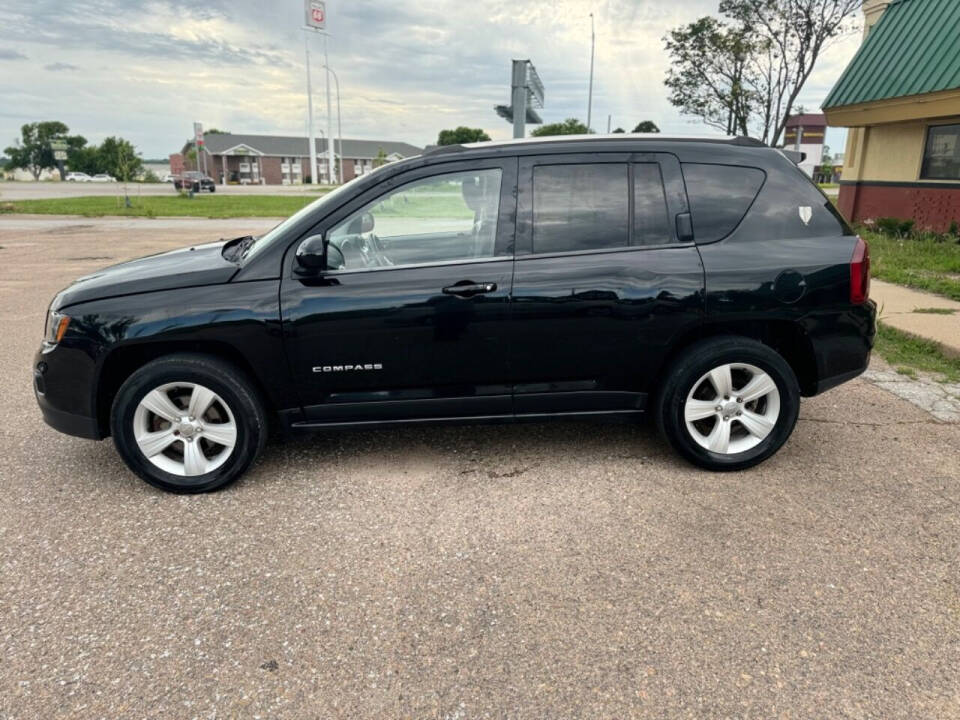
pixel 339 125
pixel 590 92
pixel 313 138
pixel 519 97
pixel 326 62
pixel 609 119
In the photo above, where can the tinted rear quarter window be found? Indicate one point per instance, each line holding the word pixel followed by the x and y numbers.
pixel 719 196
pixel 580 207
pixel 651 225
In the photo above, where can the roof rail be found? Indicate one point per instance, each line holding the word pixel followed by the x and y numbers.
pixel 439 149
pixel 746 141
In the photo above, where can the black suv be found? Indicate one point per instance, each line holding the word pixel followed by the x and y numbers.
pixel 706 282
pixel 195 181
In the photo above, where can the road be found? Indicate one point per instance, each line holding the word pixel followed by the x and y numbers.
pixel 14 191
pixel 533 571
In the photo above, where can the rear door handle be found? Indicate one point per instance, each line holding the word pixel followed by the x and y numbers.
pixel 468 288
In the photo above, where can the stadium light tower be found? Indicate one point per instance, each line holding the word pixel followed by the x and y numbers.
pixel 526 93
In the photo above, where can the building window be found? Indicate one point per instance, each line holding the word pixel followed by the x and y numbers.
pixel 941 158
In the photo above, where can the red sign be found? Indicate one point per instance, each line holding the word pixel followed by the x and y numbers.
pixel 316 14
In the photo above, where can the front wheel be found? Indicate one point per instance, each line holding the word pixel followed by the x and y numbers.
pixel 188 423
pixel 728 403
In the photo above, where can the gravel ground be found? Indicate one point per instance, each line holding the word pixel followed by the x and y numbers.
pixel 533 571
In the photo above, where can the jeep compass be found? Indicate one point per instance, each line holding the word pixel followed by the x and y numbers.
pixel 706 282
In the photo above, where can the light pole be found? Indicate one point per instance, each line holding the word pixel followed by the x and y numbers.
pixel 312 137
pixel 326 63
pixel 590 91
pixel 339 126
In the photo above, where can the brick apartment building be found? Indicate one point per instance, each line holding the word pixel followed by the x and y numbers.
pixel 285 160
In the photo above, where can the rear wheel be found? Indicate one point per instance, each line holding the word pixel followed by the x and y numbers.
pixel 188 423
pixel 728 403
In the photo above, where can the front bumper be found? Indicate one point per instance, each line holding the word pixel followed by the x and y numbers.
pixel 60 386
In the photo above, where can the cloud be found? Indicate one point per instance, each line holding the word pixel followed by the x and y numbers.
pixel 60 66
pixel 407 69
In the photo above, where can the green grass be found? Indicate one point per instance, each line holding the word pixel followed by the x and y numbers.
pixel 935 311
pixel 210 206
pixel 908 354
pixel 925 262
pixel 829 186
pixel 446 205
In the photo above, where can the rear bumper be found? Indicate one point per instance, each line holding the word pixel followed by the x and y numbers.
pixel 844 346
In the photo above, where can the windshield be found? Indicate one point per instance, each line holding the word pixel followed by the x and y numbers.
pixel 264 241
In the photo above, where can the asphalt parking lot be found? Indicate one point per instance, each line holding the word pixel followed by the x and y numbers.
pixel 531 571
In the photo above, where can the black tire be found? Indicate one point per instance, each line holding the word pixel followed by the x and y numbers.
pixel 231 385
pixel 691 366
pixel 213 188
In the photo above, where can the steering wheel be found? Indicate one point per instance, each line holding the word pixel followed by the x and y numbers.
pixel 360 251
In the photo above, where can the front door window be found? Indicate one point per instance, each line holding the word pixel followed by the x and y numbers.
pixel 444 218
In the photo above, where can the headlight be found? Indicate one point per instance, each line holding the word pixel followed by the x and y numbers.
pixel 57 324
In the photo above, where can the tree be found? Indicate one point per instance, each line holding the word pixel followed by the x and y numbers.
pixel 618 131
pixel 570 126
pixel 706 77
pixel 743 72
pixel 32 150
pixel 380 159
pixel 216 131
pixel 647 126
pixel 791 37
pixel 461 135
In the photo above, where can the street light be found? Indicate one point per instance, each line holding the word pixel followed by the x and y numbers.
pixel 590 92
pixel 339 128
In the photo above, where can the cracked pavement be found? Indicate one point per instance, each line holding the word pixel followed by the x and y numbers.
pixel 529 571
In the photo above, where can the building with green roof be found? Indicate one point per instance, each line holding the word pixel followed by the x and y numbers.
pixel 900 95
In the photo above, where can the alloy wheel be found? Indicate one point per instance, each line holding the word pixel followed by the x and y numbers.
pixel 184 429
pixel 732 408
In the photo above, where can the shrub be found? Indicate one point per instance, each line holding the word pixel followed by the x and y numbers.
pixel 895 226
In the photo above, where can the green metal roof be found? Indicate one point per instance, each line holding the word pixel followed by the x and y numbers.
pixel 913 49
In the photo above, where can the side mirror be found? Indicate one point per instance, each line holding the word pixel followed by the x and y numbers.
pixel 310 254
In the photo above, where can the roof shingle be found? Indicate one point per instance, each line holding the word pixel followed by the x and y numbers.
pixel 912 50
pixel 289 146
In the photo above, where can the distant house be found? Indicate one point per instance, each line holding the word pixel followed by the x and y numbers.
pixel 806 133
pixel 900 97
pixel 285 160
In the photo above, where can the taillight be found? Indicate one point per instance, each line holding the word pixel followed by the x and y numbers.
pixel 860 273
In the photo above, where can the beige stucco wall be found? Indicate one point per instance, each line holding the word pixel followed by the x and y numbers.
pixel 892 152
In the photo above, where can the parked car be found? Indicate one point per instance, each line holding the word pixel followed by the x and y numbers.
pixel 168 177
pixel 707 283
pixel 103 178
pixel 196 181
pixel 77 177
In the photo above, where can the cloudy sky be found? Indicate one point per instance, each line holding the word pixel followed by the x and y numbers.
pixel 146 69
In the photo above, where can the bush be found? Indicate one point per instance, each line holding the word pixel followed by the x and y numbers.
pixel 895 226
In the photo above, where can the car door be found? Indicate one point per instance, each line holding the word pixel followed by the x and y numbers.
pixel 413 324
pixel 606 277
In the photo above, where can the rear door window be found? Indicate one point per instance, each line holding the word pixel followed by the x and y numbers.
pixel 720 196
pixel 580 207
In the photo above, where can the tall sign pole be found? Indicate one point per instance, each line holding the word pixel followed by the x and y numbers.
pixel 326 62
pixel 312 138
pixel 519 99
pixel 198 142
pixel 590 91
pixel 315 18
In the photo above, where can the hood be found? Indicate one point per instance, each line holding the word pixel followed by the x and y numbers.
pixel 188 267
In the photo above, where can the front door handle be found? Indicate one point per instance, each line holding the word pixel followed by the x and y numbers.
pixel 468 288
